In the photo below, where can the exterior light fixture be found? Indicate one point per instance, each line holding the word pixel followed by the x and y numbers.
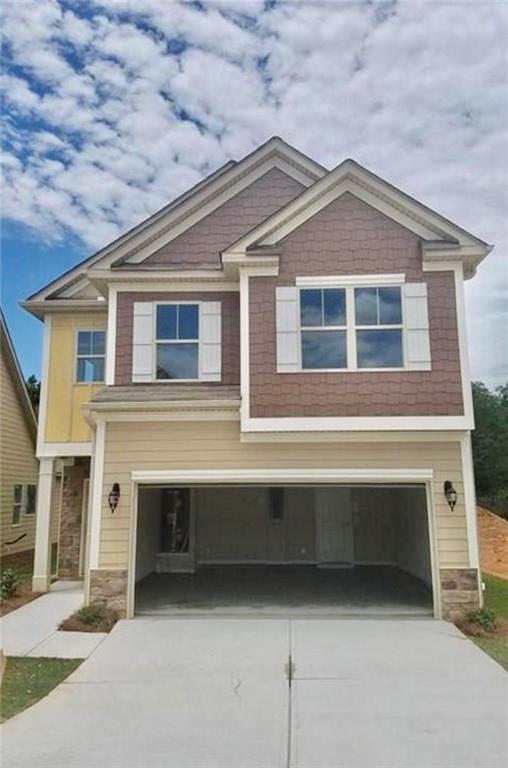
pixel 450 494
pixel 114 497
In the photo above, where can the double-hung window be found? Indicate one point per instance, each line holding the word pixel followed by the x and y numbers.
pixel 378 327
pixel 91 351
pixel 323 328
pixel 351 328
pixel 24 499
pixel 177 341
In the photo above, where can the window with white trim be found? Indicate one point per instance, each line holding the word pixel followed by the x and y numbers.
pixel 323 328
pixel 24 501
pixel 378 327
pixel 91 354
pixel 350 328
pixel 177 342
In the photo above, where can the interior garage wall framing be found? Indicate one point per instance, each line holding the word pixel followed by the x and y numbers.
pixel 287 478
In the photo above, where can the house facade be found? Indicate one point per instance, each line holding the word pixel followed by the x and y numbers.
pixel 18 465
pixel 270 372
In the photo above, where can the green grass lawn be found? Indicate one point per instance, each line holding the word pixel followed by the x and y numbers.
pixel 26 680
pixel 496 598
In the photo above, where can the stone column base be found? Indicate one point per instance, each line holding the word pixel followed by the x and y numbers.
pixel 459 592
pixel 110 588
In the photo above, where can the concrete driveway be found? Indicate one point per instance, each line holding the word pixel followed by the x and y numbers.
pixel 215 693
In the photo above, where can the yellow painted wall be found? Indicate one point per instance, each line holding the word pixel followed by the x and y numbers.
pixel 64 418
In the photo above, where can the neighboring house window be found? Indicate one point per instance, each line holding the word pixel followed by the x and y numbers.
pixel 351 328
pixel 177 341
pixel 17 505
pixel 378 320
pixel 323 328
pixel 31 497
pixel 90 357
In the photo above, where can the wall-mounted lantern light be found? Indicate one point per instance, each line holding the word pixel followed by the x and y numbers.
pixel 114 497
pixel 450 494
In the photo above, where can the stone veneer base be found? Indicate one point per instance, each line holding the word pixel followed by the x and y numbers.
pixel 459 592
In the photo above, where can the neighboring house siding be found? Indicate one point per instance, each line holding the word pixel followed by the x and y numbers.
pixel 65 398
pixel 203 242
pixel 216 445
pixel 230 330
pixel 349 237
pixel 18 464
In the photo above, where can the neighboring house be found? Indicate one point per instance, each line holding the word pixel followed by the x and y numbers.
pixel 19 467
pixel 270 371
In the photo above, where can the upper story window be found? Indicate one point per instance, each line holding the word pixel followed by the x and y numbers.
pixel 378 322
pixel 351 328
pixel 91 351
pixel 323 328
pixel 177 341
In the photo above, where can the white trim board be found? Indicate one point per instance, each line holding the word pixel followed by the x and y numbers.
pixel 366 423
pixel 59 450
pixel 281 476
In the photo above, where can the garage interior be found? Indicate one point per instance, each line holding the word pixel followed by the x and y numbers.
pixel 298 549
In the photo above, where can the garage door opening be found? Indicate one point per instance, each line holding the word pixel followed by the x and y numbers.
pixel 298 549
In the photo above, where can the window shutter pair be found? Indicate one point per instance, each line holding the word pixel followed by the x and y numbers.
pixel 143 341
pixel 416 326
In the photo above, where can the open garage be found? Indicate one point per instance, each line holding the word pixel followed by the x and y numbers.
pixel 300 549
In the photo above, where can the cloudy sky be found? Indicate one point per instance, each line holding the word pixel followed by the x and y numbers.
pixel 113 107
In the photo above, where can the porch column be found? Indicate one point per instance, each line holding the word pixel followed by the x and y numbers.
pixel 42 557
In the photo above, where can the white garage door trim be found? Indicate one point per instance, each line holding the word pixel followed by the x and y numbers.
pixel 283 477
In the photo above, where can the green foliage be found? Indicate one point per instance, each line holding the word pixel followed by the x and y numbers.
pixel 484 617
pixel 9 583
pixel 92 614
pixel 490 446
pixel 496 594
pixel 33 387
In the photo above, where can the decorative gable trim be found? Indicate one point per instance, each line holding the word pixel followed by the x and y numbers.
pixel 190 207
pixel 379 194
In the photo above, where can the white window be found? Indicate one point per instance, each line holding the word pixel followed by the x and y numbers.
pixel 323 328
pixel 379 329
pixel 91 352
pixel 177 341
pixel 17 505
pixel 351 328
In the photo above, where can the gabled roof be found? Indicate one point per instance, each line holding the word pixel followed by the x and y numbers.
pixel 18 381
pixel 204 196
pixel 436 232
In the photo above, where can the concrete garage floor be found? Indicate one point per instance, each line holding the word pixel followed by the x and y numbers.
pixel 214 693
pixel 275 590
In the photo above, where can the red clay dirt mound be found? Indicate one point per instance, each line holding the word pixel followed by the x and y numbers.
pixel 493 533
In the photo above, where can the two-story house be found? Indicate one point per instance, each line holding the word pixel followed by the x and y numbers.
pixel 264 388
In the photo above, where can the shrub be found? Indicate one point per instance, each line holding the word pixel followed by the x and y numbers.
pixel 484 617
pixel 9 583
pixel 92 614
pixel 95 617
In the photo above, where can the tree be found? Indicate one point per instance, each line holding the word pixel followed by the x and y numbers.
pixel 490 443
pixel 33 386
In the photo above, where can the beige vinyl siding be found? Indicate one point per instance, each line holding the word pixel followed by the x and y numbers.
pixel 216 445
pixel 18 465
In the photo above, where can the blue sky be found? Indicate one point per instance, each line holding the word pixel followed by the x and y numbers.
pixel 113 107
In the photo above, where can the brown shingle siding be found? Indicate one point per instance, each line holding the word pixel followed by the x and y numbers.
pixel 230 330
pixel 203 242
pixel 349 237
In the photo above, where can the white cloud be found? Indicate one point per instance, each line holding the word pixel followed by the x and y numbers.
pixel 113 107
